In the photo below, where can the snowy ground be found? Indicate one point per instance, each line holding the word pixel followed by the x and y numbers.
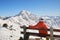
pixel 24 18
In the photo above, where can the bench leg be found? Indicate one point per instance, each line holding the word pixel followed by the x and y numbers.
pixel 26 36
pixel 47 38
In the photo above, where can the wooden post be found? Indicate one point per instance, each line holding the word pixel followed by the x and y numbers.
pixel 24 27
pixel 51 33
pixel 47 38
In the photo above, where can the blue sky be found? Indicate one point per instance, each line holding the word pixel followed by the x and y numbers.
pixel 37 7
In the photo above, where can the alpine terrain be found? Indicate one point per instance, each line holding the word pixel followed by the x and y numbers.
pixel 10 26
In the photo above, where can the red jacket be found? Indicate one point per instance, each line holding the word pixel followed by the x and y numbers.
pixel 41 25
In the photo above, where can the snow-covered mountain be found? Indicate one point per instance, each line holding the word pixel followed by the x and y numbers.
pixel 27 18
pixel 14 22
pixel 1 17
pixel 53 21
pixel 23 18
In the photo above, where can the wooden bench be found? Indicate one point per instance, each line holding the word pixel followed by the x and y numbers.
pixel 51 35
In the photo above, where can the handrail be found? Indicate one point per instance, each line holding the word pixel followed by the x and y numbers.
pixel 56 30
pixel 41 35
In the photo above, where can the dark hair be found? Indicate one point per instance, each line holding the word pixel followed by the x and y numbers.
pixel 41 19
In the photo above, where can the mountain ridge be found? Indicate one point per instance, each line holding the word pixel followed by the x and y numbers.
pixel 29 18
pixel 24 18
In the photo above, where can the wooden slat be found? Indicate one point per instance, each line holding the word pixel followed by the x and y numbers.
pixel 41 35
pixel 56 30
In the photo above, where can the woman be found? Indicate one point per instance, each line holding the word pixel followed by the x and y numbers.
pixel 41 24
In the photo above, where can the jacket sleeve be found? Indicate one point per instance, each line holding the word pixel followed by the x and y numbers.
pixel 46 26
pixel 33 27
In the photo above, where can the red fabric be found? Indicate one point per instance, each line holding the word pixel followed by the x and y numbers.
pixel 41 25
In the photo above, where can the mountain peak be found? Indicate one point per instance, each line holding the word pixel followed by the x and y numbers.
pixel 24 12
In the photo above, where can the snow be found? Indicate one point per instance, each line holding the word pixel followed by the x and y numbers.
pixel 24 18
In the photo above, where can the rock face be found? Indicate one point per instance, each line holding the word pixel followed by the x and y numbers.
pixel 12 31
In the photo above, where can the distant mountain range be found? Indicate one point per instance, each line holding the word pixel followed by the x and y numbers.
pixel 23 18
pixel 27 18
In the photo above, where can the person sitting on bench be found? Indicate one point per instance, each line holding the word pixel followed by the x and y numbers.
pixel 41 24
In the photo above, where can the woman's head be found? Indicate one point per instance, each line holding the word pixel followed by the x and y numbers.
pixel 41 19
